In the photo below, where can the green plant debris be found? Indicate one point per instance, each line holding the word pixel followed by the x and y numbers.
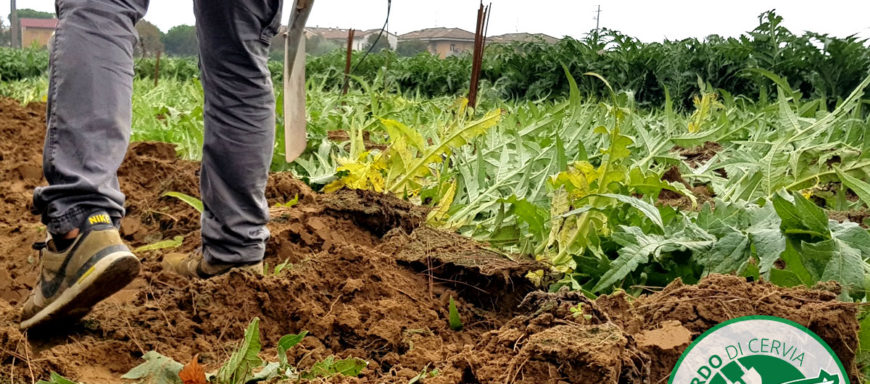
pixel 175 242
pixel 157 369
pixel 240 367
pixel 190 200
pixel 330 367
pixel 454 320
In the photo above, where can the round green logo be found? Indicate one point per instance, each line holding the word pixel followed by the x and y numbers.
pixel 759 350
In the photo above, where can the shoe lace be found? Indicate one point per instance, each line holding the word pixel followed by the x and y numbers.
pixel 40 245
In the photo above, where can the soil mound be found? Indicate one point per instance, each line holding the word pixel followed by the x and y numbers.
pixel 367 279
pixel 565 337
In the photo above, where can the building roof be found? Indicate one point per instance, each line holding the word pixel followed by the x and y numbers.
pixel 522 37
pixel 38 23
pixel 440 33
pixel 341 33
pixel 327 33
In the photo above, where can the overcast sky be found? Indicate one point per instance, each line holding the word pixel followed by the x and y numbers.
pixel 645 19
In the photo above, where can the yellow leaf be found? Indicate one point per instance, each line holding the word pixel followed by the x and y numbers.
pixel 456 137
pixel 704 108
pixel 439 214
pixel 364 173
pixel 399 133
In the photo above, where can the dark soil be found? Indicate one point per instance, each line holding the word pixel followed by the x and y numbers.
pixel 367 279
pixel 861 217
pixel 696 156
pixel 340 136
pixel 702 193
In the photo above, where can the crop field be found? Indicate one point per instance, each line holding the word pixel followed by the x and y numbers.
pixel 603 193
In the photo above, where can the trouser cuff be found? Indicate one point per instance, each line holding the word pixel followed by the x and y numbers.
pixel 74 218
pixel 215 254
pixel 65 223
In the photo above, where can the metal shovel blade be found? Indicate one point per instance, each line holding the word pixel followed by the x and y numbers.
pixel 295 137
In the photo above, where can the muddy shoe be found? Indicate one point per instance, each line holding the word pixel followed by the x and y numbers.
pixel 92 268
pixel 193 265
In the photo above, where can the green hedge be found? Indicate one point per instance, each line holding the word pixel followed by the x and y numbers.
pixel 818 65
pixel 17 64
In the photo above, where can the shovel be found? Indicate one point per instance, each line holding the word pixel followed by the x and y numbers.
pixel 295 138
pixel 750 376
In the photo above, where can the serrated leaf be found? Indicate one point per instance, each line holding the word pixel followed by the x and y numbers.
pixel 578 211
pixel 727 255
pixel 439 214
pixel 784 278
pixel 769 245
pixel 795 265
pixel 638 248
pixel 239 368
pixel 453 139
pixel 618 149
pixel 694 139
pixel 647 184
pixel 834 260
pixel 766 237
pixel 853 235
pixel 801 216
pixel 786 115
pixel 157 369
pixel 529 213
pixel 860 187
pixel 454 320
pixel 398 131
pixel 648 210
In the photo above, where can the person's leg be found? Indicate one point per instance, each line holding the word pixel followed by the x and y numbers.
pixel 88 129
pixel 89 111
pixel 239 115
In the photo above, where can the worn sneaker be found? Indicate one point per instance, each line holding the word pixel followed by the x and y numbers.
pixel 193 265
pixel 96 265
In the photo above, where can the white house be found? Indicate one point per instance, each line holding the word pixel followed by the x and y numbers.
pixel 360 38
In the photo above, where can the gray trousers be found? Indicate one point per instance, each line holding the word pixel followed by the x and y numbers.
pixel 89 117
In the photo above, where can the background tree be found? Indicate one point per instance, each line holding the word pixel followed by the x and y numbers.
pixel 276 49
pixel 382 43
pixel 27 13
pixel 316 45
pixel 180 40
pixel 411 47
pixel 5 34
pixel 149 39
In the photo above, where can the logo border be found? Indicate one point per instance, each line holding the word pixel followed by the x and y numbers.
pixel 759 317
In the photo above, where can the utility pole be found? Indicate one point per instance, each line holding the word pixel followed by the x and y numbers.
pixel 597 17
pixel 14 25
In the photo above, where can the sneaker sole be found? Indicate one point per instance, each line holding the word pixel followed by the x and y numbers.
pixel 107 276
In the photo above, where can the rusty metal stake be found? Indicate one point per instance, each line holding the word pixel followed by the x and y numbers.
pixel 477 56
pixel 156 69
pixel 347 62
